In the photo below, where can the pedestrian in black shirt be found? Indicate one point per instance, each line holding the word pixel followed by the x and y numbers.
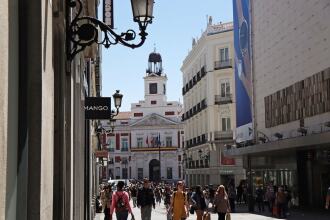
pixel 146 200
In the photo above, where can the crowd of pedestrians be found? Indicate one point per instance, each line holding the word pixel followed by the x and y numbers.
pixel 180 201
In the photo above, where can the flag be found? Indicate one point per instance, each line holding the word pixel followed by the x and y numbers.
pixel 152 141
pixel 158 140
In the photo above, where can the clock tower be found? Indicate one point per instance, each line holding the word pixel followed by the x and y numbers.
pixel 155 81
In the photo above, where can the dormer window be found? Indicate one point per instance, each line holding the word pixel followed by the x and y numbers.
pixel 153 88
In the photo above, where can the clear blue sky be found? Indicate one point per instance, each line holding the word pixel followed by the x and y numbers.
pixel 175 23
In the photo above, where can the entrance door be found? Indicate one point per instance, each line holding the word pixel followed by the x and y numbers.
pixel 154 170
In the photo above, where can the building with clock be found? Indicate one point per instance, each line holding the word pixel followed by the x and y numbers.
pixel 147 141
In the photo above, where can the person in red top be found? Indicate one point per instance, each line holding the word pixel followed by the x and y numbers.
pixel 120 203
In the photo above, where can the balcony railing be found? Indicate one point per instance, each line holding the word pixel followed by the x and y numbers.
pixel 192 82
pixel 221 100
pixel 223 135
pixel 223 64
pixel 202 139
pixel 124 149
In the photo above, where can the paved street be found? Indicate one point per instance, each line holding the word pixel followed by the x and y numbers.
pixel 160 214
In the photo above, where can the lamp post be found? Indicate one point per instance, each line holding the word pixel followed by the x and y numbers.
pixel 83 31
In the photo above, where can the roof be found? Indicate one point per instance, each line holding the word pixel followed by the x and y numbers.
pixel 123 116
pixel 155 57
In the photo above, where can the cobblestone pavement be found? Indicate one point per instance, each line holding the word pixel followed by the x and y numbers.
pixel 160 214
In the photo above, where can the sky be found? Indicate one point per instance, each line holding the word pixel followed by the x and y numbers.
pixel 171 33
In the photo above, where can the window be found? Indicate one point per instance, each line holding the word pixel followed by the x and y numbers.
pixel 117 159
pixel 139 142
pixel 153 102
pixel 124 144
pixel 224 54
pixel 164 89
pixel 168 141
pixel 169 173
pixel 124 173
pixel 225 88
pixel 179 168
pixel 140 173
pixel 117 173
pixel 153 88
pixel 111 143
pixel 169 113
pixel 138 114
pixel 226 126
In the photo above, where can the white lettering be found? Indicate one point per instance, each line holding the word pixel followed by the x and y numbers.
pixel 97 108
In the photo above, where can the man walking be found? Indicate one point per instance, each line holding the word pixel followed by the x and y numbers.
pixel 146 200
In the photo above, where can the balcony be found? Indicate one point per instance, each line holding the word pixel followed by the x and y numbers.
pixel 202 139
pixel 190 84
pixel 222 100
pixel 198 76
pixel 223 64
pixel 203 104
pixel 223 135
pixel 194 80
pixel 194 109
pixel 203 72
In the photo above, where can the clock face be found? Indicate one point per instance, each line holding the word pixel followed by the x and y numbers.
pixel 243 36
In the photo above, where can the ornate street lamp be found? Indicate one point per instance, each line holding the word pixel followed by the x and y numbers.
pixel 83 31
pixel 117 99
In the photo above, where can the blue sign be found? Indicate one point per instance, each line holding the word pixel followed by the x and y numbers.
pixel 243 74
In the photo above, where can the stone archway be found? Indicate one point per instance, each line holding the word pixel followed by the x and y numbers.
pixel 154 170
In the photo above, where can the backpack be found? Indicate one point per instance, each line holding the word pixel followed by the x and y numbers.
pixel 120 204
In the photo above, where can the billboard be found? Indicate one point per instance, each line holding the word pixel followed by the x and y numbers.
pixel 243 74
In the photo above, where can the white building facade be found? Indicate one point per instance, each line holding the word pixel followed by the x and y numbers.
pixel 209 108
pixel 147 142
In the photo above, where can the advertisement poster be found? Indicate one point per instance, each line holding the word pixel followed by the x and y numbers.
pixel 243 75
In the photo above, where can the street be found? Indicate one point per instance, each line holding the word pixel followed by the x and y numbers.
pixel 159 213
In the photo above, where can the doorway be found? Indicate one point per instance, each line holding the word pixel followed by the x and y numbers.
pixel 154 170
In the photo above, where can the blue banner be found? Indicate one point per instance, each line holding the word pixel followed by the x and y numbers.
pixel 243 75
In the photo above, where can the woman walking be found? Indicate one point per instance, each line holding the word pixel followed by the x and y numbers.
pixel 221 203
pixel 120 203
pixel 198 201
pixel 179 203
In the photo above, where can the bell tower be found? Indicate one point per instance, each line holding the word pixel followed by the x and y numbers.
pixel 155 81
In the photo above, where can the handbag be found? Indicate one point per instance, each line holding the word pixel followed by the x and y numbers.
pixel 192 210
pixel 228 216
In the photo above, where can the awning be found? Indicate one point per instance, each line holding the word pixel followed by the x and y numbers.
pixel 295 143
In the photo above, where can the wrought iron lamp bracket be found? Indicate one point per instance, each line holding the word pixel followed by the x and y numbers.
pixel 83 31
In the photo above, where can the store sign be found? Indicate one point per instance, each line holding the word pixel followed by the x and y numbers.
pixel 97 108
pixel 101 153
pixel 108 12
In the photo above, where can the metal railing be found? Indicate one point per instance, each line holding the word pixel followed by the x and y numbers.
pixel 223 64
pixel 223 135
pixel 220 99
